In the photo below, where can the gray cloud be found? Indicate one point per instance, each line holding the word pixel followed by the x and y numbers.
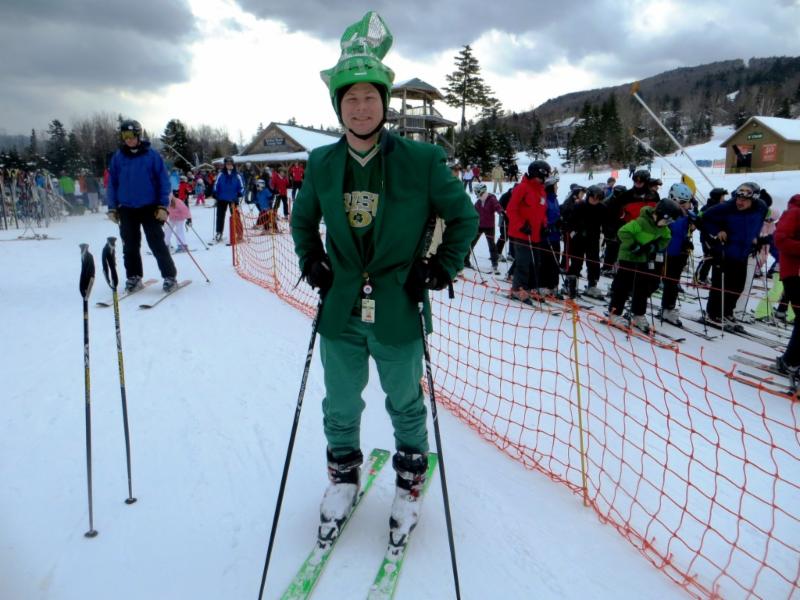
pixel 54 50
pixel 572 30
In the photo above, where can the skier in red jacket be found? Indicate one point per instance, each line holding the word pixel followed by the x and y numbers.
pixel 787 239
pixel 527 216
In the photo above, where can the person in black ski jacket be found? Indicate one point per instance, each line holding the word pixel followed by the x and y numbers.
pixel 582 230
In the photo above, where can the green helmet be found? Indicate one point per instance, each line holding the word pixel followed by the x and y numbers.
pixel 363 45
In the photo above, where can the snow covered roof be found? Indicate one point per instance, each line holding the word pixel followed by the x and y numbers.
pixel 309 138
pixel 788 129
pixel 266 157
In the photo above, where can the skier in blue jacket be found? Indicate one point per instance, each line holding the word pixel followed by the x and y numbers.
pixel 734 227
pixel 228 190
pixel 138 196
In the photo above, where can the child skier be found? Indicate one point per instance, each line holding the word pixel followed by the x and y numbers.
pixel 266 212
pixel 680 246
pixel 641 261
pixel 178 214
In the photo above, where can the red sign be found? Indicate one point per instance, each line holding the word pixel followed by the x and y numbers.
pixel 769 152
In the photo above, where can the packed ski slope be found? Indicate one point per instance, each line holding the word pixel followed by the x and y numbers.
pixel 212 376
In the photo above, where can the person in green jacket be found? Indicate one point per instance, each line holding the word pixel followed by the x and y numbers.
pixel 641 262
pixel 379 195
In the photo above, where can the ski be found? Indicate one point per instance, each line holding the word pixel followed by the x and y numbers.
pixel 630 331
pixel 310 571
pixel 769 359
pixel 165 295
pixel 385 582
pixel 551 309
pixel 763 383
pixel 772 343
pixel 743 360
pixel 124 295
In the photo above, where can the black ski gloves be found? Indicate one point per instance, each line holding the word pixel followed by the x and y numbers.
pixel 526 229
pixel 161 214
pixel 425 274
pixel 317 272
pixel 113 215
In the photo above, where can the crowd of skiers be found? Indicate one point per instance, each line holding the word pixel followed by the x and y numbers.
pixel 639 239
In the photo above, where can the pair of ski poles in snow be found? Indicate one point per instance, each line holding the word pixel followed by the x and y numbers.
pixel 292 435
pixel 85 286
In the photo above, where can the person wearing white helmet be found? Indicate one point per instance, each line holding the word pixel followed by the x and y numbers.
pixel 677 253
pixel 487 207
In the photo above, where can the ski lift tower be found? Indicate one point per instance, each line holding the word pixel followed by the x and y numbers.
pixel 420 122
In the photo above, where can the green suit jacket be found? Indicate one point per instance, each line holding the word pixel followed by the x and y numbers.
pixel 416 186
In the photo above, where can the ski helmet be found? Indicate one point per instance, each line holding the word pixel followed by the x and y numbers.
pixel 680 193
pixel 654 181
pixel 765 197
pixel 619 189
pixel 261 184
pixel 363 45
pixel 746 190
pixel 130 128
pixel 717 194
pixel 228 159
pixel 479 189
pixel 595 191
pixel 641 176
pixel 668 210
pixel 539 169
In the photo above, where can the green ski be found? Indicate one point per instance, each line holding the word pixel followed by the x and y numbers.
pixel 385 582
pixel 310 571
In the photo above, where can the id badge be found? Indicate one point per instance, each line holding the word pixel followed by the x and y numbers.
pixel 367 310
pixel 651 265
pixel 660 257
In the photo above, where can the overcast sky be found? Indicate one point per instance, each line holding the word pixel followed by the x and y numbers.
pixel 235 64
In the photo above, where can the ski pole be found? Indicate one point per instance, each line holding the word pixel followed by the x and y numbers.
pixel 199 237
pixel 722 297
pixel 635 94
pixel 85 286
pixel 109 261
pixel 188 251
pixel 438 437
pixel 475 262
pixel 535 270
pixel 292 436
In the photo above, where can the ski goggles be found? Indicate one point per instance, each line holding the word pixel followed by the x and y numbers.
pixel 744 193
pixel 128 134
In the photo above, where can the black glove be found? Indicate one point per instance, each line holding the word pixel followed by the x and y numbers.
pixel 113 215
pixel 317 273
pixel 188 222
pixel 161 214
pixel 425 275
pixel 526 229
pixel 687 245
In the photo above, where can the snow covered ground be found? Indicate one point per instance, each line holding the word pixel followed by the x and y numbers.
pixel 212 378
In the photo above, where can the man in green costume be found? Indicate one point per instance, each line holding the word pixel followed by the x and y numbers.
pixel 378 194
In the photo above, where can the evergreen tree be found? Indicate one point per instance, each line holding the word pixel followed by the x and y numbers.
pixel 504 152
pixel 57 152
pixel 535 148
pixel 74 158
pixel 784 110
pixel 176 144
pixel 465 86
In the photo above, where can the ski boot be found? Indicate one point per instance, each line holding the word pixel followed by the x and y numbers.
pixel 570 288
pixel 617 321
pixel 671 316
pixel 344 474
pixel 641 323
pixel 170 284
pixel 411 469
pixel 520 295
pixel 730 324
pixel 592 291
pixel 133 284
pixel 495 269
pixel 218 237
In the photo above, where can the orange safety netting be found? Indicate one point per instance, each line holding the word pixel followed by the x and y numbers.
pixel 695 468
